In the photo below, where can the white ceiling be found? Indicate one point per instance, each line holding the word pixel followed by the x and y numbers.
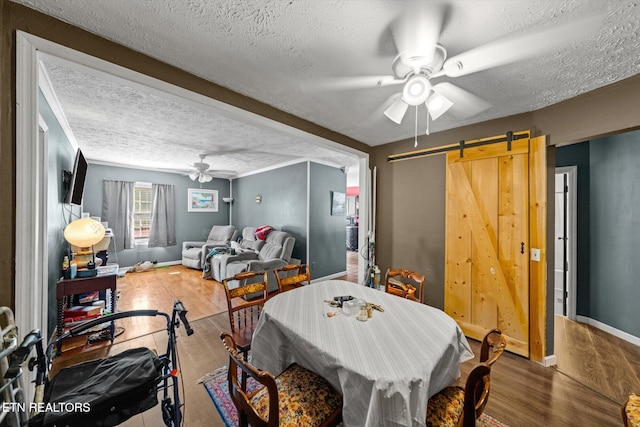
pixel 275 51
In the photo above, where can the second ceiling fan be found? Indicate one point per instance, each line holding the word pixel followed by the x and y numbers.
pixel 202 173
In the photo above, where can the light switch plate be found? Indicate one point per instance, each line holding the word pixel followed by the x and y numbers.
pixel 535 254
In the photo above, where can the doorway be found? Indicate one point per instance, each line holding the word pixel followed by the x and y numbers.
pixel 564 298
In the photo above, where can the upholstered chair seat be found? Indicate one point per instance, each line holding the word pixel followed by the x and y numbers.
pixel 631 411
pixel 304 398
pixel 295 398
pixel 445 408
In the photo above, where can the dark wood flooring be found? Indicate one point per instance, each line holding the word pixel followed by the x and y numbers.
pixel 523 393
pixel 605 363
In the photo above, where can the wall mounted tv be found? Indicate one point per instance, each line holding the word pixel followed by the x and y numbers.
pixel 76 186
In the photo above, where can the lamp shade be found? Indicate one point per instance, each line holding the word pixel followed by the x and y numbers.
pixel 84 232
pixel 396 111
pixel 437 104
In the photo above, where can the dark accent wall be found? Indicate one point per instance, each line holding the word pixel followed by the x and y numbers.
pixel 193 226
pixel 283 206
pixel 327 233
pixel 615 231
pixel 578 155
pixel 608 198
pixel 60 157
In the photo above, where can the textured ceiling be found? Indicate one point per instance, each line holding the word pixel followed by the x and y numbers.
pixel 271 50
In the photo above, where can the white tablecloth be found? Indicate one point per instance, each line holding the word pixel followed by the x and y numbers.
pixel 386 368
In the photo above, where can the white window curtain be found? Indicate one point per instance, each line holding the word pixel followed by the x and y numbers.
pixel 163 231
pixel 117 210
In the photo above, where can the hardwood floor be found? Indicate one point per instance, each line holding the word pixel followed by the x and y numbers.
pixel 523 393
pixel 600 361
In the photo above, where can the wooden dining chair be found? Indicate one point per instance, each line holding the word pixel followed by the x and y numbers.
pixel 287 281
pixel 244 305
pixel 404 283
pixel 493 345
pixel 631 411
pixel 296 397
pixel 461 407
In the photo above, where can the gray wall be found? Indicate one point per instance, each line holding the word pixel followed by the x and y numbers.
pixel 615 219
pixel 284 206
pixel 284 203
pixel 327 233
pixel 608 202
pixel 189 225
pixel 416 233
pixel 60 157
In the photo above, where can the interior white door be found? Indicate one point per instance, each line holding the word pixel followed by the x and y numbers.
pixel 560 262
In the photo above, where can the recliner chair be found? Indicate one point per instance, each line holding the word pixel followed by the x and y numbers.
pixel 194 253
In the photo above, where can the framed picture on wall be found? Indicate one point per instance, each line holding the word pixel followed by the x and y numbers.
pixel 202 200
pixel 338 203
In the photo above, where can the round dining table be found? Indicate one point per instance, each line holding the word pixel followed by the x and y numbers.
pixel 386 367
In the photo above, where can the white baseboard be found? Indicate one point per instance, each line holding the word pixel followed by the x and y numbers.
pixel 160 264
pixel 551 360
pixel 332 276
pixel 609 329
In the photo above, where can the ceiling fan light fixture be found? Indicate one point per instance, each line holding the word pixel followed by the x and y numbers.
pixel 396 111
pixel 437 105
pixel 416 90
pixel 194 175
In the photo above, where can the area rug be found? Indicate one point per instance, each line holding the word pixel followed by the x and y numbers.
pixel 217 387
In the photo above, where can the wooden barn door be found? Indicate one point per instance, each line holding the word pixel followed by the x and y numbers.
pixel 487 241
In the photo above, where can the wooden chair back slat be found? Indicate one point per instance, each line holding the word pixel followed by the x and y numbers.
pixel 286 281
pixel 243 312
pixel 404 283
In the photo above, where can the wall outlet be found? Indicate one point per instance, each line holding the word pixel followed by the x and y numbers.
pixel 535 254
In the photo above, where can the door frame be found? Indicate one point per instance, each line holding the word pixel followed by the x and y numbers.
pixel 572 234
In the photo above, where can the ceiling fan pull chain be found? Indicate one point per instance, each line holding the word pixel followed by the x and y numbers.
pixel 427 121
pixel 415 144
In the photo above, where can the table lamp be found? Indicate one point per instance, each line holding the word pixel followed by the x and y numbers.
pixel 84 233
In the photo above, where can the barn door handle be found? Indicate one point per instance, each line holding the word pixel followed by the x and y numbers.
pixel 522 247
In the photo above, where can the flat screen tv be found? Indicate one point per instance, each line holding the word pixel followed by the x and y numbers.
pixel 76 186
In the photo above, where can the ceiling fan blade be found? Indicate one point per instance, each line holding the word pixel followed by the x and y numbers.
pixel 349 83
pixel 518 47
pixel 416 32
pixel 465 104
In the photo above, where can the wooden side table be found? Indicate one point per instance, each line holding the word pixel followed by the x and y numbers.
pixel 80 285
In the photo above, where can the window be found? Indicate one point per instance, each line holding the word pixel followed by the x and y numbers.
pixel 142 211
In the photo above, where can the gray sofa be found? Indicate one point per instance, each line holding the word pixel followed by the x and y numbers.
pixel 247 242
pixel 274 253
pixel 194 253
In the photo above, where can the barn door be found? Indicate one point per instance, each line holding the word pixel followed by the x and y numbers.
pixel 487 241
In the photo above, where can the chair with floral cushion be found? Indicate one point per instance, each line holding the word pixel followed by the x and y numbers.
pixel 460 407
pixel 631 411
pixel 287 280
pixel 404 283
pixel 493 345
pixel 296 397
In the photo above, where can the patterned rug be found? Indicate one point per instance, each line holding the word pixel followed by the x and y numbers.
pixel 217 387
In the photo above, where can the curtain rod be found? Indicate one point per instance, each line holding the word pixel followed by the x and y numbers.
pixel 508 138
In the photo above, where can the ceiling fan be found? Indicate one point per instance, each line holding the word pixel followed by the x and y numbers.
pixel 202 173
pixel 422 59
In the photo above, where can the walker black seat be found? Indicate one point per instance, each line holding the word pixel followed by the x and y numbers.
pixel 103 392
